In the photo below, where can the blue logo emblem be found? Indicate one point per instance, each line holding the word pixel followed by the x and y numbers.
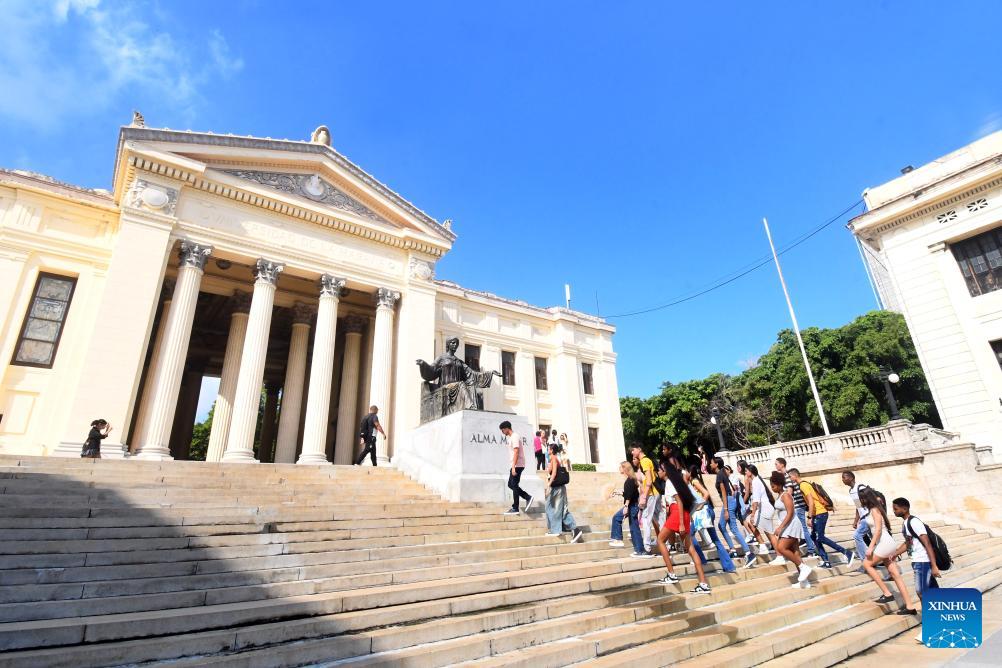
pixel 951 618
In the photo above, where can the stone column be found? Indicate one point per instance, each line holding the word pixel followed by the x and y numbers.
pixel 347 408
pixel 266 451
pixel 247 398
pixel 319 398
pixel 292 389
pixel 167 293
pixel 382 358
pixel 223 411
pixel 155 439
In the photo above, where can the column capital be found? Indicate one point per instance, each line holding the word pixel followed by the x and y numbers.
pixel 302 314
pixel 385 297
pixel 331 286
pixel 241 301
pixel 355 324
pixel 268 271
pixel 194 255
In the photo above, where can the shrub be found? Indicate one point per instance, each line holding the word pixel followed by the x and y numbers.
pixel 582 467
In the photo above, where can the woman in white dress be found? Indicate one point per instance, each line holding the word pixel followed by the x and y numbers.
pixel 761 512
pixel 789 531
pixel 882 550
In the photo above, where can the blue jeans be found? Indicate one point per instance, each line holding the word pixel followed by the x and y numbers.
pixel 859 536
pixel 732 523
pixel 820 539
pixel 557 515
pixel 725 559
pixel 923 578
pixel 635 536
pixel 802 516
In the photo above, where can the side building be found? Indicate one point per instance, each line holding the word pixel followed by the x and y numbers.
pixel 932 243
pixel 285 270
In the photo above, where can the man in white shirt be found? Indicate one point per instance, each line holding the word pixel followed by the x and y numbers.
pixel 517 466
pixel 859 526
pixel 923 556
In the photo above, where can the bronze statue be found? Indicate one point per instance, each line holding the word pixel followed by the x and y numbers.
pixel 451 384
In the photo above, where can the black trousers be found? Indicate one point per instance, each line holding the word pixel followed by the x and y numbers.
pixel 370 449
pixel 516 491
pixel 540 461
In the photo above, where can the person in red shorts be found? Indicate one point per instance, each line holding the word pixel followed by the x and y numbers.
pixel 676 527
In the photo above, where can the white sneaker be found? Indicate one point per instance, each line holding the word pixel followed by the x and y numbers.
pixel 805 572
pixel 763 550
pixel 552 534
pixel 616 543
pixel 801 585
pixel 778 561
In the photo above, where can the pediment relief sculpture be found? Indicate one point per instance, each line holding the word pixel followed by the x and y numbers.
pixel 310 186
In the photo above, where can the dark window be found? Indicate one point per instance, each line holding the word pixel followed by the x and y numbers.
pixel 508 367
pixel 541 373
pixel 43 324
pixel 593 443
pixel 980 261
pixel 997 349
pixel 472 354
pixel 589 385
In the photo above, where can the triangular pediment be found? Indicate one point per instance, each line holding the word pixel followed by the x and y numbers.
pixel 309 186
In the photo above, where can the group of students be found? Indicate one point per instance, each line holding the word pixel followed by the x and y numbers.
pixel 668 504
pixel 543 442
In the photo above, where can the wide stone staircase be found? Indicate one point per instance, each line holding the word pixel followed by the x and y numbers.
pixel 107 563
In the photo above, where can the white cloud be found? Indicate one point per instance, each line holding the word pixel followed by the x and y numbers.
pixel 990 124
pixel 71 57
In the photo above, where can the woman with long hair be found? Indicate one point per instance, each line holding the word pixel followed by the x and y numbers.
pixel 761 512
pixel 882 550
pixel 703 519
pixel 677 525
pixel 99 430
pixel 558 475
pixel 789 531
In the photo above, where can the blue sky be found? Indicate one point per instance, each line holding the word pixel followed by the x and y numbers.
pixel 629 149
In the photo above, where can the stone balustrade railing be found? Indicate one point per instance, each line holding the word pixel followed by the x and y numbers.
pixel 895 441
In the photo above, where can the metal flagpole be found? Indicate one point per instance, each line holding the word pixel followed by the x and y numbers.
pixel 796 330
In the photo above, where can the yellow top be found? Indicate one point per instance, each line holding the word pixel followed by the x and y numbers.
pixel 809 493
pixel 646 465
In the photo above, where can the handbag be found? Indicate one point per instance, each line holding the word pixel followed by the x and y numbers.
pixel 561 478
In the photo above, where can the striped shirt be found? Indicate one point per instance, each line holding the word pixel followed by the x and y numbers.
pixel 798 496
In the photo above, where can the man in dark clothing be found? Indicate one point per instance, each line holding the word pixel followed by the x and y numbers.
pixel 367 435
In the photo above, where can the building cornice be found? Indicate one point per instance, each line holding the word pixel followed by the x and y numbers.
pixel 45 186
pixel 951 190
pixel 128 133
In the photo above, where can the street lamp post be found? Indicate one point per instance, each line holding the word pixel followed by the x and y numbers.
pixel 887 377
pixel 715 421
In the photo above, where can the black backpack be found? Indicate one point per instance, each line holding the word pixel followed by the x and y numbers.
pixel 941 553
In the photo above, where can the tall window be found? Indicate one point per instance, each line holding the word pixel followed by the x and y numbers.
pixel 593 443
pixel 508 367
pixel 541 382
pixel 589 385
pixel 472 355
pixel 997 349
pixel 43 324
pixel 980 260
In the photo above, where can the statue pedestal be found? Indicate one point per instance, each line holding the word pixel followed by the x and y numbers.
pixel 465 457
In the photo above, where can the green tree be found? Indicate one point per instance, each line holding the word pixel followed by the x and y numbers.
pixel 200 436
pixel 772 400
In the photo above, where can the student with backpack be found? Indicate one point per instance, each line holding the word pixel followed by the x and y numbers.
pixel 929 553
pixel 818 506
pixel 882 550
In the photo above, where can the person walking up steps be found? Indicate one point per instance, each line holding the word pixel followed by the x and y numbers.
pixel 630 510
pixel 517 466
pixel 650 499
pixel 882 549
pixel 799 504
pixel 789 532
pixel 923 556
pixel 817 520
pixel 537 444
pixel 99 430
pixel 557 478
pixel 367 435
pixel 729 511
pixel 761 514
pixel 677 526
pixel 703 518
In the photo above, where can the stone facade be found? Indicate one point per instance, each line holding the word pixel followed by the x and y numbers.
pixel 135 293
pixel 914 238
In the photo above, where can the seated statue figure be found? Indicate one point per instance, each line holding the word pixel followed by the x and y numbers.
pixel 451 384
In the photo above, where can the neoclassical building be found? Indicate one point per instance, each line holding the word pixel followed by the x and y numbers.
pixel 932 242
pixel 282 268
